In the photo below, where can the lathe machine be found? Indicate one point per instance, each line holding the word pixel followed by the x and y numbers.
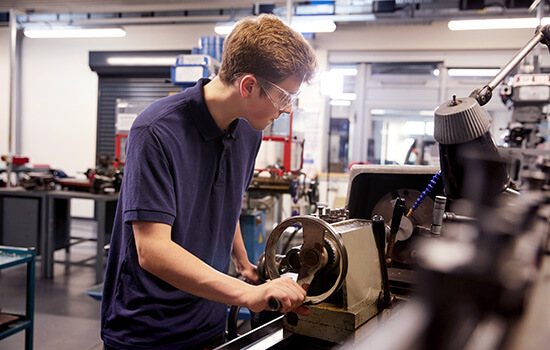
pixel 461 264
pixel 342 262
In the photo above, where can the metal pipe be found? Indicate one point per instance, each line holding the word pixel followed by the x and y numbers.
pixel 288 12
pixel 505 71
pixel 452 217
pixel 537 51
pixel 13 94
pixel 146 20
pixel 484 94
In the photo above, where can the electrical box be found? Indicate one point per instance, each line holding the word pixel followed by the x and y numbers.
pixel 190 68
pixel 253 230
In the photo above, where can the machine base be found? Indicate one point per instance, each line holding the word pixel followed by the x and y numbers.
pixel 329 322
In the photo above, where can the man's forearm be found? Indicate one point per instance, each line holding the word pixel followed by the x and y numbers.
pixel 175 265
pixel 159 255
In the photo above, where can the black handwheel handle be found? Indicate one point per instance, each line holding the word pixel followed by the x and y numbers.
pixel 274 304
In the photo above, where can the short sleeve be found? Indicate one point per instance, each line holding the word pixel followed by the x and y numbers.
pixel 148 182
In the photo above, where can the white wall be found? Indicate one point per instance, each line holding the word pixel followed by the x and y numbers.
pixel 59 91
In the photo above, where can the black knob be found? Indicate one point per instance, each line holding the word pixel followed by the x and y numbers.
pixel 274 304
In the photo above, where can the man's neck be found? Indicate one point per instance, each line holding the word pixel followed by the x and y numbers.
pixel 222 102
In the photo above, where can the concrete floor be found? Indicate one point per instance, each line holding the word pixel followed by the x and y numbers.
pixel 66 318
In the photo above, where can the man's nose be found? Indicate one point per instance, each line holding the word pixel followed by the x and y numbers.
pixel 287 109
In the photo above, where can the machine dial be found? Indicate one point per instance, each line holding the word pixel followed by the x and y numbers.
pixel 313 255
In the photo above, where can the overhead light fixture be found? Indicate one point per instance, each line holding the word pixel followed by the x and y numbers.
pixel 141 61
pixel 402 112
pixel 73 32
pixel 224 28
pixel 302 25
pixel 496 23
pixel 313 25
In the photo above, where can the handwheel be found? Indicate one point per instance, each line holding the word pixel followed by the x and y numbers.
pixel 321 249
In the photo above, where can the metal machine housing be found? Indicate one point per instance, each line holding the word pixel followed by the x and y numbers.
pixel 337 318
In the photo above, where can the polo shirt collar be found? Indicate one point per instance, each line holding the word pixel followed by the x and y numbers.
pixel 201 116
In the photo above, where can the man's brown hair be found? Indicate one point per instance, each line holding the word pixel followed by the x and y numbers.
pixel 269 48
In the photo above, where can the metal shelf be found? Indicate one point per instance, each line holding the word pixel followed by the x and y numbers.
pixel 11 256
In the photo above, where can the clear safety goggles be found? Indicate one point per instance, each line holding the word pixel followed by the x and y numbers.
pixel 280 98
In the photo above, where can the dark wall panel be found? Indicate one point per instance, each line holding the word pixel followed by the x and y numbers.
pixel 127 82
pixel 113 88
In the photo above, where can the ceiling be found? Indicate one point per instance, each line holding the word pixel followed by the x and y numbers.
pixel 343 12
pixel 45 6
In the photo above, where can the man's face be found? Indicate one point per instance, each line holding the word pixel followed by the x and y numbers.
pixel 270 100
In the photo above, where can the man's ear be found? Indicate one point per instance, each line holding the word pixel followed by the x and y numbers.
pixel 248 82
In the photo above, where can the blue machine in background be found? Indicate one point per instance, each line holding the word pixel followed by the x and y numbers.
pixel 211 45
pixel 253 230
pixel 190 68
pixel 204 62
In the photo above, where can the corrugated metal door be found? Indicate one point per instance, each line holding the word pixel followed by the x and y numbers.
pixel 113 88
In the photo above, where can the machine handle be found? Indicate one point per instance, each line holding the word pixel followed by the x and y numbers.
pixel 398 211
pixel 274 304
pixel 379 231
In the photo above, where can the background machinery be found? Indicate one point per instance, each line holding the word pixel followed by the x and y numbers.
pixel 461 263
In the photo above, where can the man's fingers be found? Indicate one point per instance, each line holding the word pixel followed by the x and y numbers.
pixel 302 310
pixel 289 294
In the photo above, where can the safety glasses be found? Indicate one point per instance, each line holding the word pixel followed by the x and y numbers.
pixel 280 98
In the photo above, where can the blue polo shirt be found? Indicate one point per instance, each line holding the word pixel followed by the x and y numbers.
pixel 182 170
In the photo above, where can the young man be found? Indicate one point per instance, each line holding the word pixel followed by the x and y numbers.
pixel 189 160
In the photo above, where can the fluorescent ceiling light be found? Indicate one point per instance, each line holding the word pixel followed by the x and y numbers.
pixel 312 25
pixel 473 72
pixel 302 25
pixel 224 28
pixel 402 112
pixel 500 23
pixel 141 61
pixel 74 32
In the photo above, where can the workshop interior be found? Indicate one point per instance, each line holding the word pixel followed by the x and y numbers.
pixel 408 192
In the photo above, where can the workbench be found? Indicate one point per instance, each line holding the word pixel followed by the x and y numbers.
pixel 59 208
pixel 42 219
pixel 11 256
pixel 23 219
